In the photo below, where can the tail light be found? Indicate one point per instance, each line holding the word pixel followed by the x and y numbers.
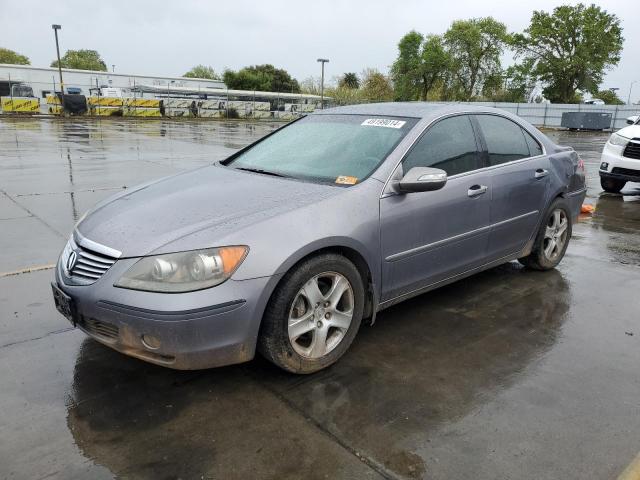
pixel 580 164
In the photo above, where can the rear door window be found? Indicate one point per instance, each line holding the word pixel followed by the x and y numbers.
pixel 505 139
pixel 449 145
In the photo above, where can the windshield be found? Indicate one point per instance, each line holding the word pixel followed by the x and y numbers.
pixel 343 149
pixel 21 91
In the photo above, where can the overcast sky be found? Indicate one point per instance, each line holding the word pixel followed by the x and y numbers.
pixel 169 37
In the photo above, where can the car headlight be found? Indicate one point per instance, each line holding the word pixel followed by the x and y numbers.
pixel 183 271
pixel 618 140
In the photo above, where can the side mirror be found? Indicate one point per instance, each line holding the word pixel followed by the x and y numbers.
pixel 632 119
pixel 422 179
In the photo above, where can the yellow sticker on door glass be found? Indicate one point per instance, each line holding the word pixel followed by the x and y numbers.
pixel 346 180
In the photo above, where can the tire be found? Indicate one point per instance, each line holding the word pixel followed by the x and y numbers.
pixel 325 333
pixel 544 255
pixel 612 185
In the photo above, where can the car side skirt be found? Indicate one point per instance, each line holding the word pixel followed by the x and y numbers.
pixel 454 278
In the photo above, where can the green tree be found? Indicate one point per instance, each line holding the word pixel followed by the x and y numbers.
pixel 202 71
pixel 422 63
pixel 571 48
pixel 475 47
pixel 349 80
pixel 343 95
pixel 406 70
pixel 517 82
pixel 521 80
pixel 14 58
pixel 82 60
pixel 376 87
pixel 493 84
pixel 436 62
pixel 610 97
pixel 261 77
pixel 311 85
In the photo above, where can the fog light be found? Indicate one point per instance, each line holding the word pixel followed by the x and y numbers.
pixel 151 342
pixel 604 166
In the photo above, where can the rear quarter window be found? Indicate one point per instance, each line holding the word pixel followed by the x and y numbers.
pixel 534 147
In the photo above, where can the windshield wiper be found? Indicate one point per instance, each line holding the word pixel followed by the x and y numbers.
pixel 259 170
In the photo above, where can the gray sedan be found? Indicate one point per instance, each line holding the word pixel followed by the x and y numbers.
pixel 287 245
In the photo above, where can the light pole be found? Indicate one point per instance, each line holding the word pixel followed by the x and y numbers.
pixel 614 90
pixel 631 88
pixel 322 61
pixel 55 31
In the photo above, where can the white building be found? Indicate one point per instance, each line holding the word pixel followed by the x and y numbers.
pixel 45 80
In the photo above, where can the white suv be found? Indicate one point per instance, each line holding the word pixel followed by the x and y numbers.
pixel 620 161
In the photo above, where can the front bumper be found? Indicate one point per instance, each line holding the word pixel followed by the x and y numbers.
pixel 627 175
pixel 627 169
pixel 209 328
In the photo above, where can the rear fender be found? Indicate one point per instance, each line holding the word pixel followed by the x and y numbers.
pixel 567 181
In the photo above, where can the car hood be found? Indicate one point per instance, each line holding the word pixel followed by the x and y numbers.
pixel 632 131
pixel 144 220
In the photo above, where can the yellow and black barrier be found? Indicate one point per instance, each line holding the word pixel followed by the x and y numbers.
pixel 142 102
pixel 105 102
pixel 53 99
pixel 105 111
pixel 148 107
pixel 20 104
pixel 142 112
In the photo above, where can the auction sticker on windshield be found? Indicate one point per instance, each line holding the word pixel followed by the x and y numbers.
pixel 383 122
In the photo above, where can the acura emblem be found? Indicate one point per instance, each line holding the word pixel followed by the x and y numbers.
pixel 71 261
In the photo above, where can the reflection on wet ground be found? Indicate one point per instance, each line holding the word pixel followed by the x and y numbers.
pixel 53 170
pixel 508 374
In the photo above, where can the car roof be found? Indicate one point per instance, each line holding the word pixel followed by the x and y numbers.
pixel 421 110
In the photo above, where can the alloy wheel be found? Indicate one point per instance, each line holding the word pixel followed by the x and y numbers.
pixel 555 235
pixel 320 314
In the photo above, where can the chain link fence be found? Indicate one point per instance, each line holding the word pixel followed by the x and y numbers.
pixel 550 114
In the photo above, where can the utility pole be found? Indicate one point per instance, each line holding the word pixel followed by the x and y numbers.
pixel 630 88
pixel 322 61
pixel 55 31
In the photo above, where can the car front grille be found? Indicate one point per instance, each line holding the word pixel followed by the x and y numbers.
pixel 99 328
pixel 89 265
pixel 632 149
pixel 626 171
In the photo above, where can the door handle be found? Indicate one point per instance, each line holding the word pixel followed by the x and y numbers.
pixel 476 190
pixel 541 173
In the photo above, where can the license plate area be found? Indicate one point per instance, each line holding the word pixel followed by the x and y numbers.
pixel 64 303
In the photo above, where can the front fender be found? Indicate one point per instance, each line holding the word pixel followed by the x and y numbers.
pixel 334 242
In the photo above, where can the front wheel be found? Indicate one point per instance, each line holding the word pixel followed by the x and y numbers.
pixel 612 185
pixel 313 315
pixel 552 239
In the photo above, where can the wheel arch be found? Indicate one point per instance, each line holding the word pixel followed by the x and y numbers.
pixel 559 193
pixel 349 249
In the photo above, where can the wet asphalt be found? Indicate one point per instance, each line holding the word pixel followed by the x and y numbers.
pixel 507 374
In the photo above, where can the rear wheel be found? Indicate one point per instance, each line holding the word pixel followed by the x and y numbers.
pixel 314 314
pixel 612 185
pixel 552 239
